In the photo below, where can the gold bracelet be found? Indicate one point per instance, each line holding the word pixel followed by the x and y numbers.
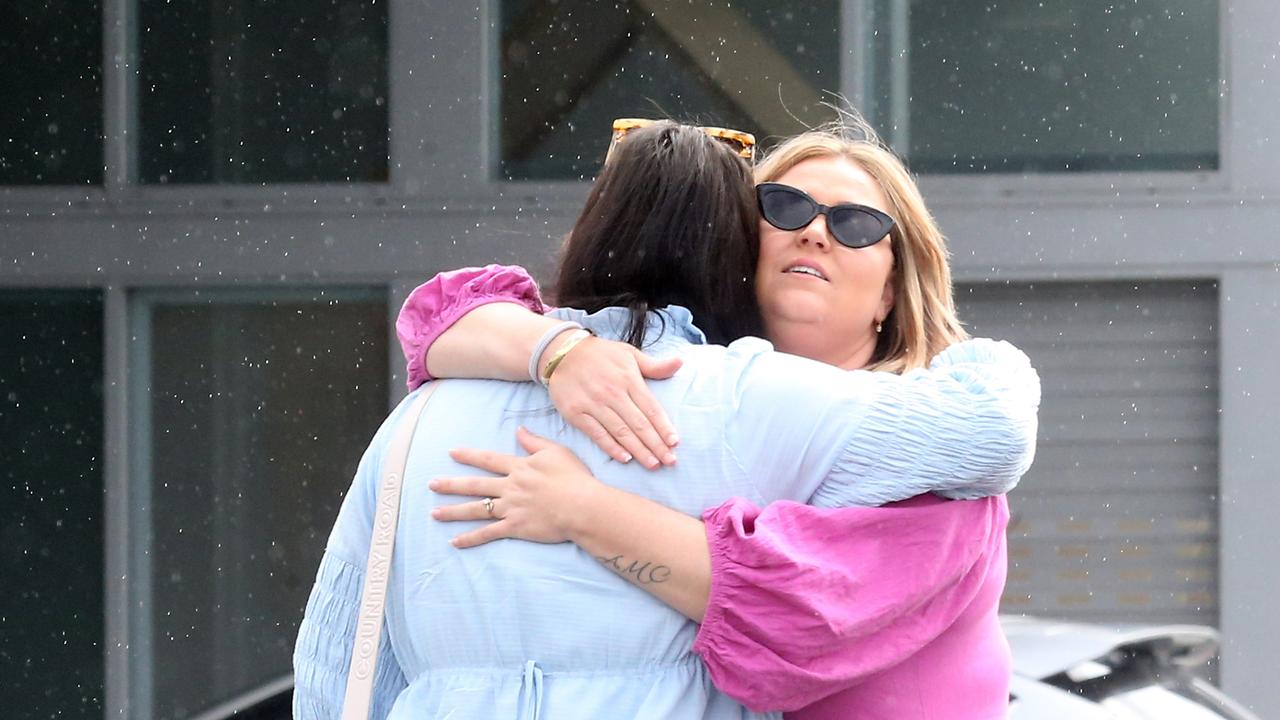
pixel 575 337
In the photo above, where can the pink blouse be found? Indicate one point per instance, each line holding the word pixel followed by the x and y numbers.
pixel 887 612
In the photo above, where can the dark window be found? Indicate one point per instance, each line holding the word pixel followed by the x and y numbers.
pixel 256 412
pixel 51 72
pixel 1028 86
pixel 247 92
pixel 51 482
pixel 569 69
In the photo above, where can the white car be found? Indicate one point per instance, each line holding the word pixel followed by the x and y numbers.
pixel 1061 671
pixel 1073 671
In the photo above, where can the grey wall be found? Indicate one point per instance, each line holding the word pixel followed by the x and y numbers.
pixel 1225 226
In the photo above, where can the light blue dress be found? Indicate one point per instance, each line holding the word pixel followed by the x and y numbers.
pixel 521 630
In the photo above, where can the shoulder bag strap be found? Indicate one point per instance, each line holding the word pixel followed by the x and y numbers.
pixel 364 657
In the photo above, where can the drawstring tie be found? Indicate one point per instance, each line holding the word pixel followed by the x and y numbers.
pixel 531 689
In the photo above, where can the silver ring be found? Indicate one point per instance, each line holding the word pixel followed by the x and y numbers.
pixel 488 506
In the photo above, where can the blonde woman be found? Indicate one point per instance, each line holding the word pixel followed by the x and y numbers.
pixel 875 612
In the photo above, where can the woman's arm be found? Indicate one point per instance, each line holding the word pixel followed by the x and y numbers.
pixel 913 579
pixel 806 601
pixel 486 322
pixel 436 305
pixel 492 341
pixel 550 496
pixel 795 601
pixel 325 642
pixel 964 428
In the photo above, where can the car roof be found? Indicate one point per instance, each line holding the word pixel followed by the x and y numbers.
pixel 1042 648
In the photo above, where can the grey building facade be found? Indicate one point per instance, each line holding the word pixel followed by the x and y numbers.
pixel 206 234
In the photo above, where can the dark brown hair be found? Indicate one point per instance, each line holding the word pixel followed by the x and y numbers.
pixel 671 220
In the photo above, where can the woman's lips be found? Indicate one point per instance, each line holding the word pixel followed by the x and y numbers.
pixel 810 270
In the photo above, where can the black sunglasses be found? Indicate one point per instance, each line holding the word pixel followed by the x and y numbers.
pixel 852 225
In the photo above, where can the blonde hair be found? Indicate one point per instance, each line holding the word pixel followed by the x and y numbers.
pixel 923 319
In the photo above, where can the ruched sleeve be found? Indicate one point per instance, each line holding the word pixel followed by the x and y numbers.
pixel 963 428
pixel 325 641
pixel 806 601
pixel 970 419
pixel 437 304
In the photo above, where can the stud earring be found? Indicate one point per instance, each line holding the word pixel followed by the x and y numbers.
pixel 879 326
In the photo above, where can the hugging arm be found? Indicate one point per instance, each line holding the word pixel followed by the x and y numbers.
pixel 449 299
pixel 963 428
pixel 551 496
pixel 748 623
pixel 795 602
pixel 486 322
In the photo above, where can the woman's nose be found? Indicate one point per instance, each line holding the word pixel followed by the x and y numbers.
pixel 816 232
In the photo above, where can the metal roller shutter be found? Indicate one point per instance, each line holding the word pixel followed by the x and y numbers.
pixel 1118 518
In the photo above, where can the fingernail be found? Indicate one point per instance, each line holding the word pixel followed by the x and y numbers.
pixel 435 513
pixel 651 462
pixel 626 457
pixel 454 542
pixel 673 439
pixel 434 484
pixel 669 458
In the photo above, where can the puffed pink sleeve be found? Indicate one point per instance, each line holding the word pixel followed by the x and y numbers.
pixel 435 305
pixel 805 601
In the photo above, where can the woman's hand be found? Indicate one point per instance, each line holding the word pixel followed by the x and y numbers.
pixel 599 388
pixel 538 497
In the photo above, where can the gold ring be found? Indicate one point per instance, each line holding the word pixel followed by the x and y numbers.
pixel 488 506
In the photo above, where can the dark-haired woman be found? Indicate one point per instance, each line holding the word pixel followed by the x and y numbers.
pixel 525 630
pixel 843 613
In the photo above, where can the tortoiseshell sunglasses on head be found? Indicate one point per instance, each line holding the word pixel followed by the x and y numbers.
pixel 743 143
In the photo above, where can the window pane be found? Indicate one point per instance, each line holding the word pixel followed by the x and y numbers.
pixel 237 91
pixel 567 73
pixel 51 72
pixel 1028 86
pixel 259 412
pixel 51 608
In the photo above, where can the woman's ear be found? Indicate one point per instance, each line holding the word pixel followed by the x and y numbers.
pixel 886 299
